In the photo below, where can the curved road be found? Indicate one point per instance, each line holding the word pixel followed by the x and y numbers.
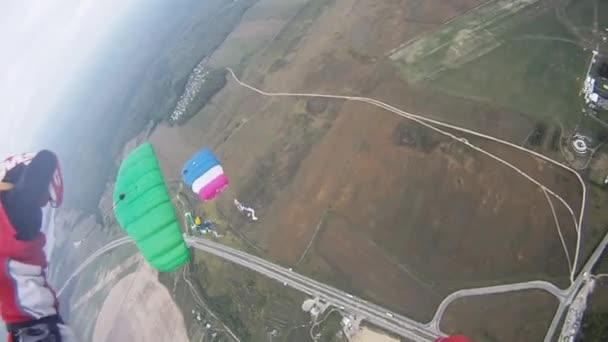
pixel 530 285
pixel 110 246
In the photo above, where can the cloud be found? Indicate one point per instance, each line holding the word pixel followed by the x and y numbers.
pixel 44 44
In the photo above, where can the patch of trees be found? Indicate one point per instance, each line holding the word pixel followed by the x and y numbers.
pixel 413 136
pixel 538 135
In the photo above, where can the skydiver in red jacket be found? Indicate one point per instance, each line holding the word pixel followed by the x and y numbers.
pixel 28 304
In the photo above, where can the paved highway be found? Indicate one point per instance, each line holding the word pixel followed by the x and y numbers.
pixel 114 244
pixel 373 313
pixel 575 287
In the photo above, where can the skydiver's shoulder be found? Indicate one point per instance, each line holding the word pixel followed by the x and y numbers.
pixel 27 250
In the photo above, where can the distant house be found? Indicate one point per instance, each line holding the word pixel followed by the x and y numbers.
pixel 601 84
pixel 596 84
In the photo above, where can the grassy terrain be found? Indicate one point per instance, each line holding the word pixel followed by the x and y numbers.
pixel 284 45
pixel 594 326
pixel 537 77
pixel 582 13
pixel 460 41
pixel 330 329
pixel 483 318
pixel 259 26
pixel 251 305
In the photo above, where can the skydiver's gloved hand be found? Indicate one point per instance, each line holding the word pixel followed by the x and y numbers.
pixel 23 204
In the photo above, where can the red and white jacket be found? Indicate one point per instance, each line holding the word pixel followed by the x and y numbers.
pixel 25 294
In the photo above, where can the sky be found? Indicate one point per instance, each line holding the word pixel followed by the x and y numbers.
pixel 43 46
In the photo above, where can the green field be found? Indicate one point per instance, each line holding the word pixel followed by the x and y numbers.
pixel 595 321
pixel 540 78
pixel 251 305
pixel 284 45
pixel 460 41
pixel 528 62
pixel 528 314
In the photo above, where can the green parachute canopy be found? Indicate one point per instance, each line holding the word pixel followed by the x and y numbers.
pixel 145 211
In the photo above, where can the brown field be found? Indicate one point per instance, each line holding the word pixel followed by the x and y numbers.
pixel 521 316
pixel 369 335
pixel 126 312
pixel 402 225
pixel 358 259
pixel 260 25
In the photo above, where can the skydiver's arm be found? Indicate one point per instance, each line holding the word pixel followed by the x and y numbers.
pixel 23 203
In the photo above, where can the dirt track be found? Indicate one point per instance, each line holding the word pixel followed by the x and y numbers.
pixel 139 308
pixel 368 335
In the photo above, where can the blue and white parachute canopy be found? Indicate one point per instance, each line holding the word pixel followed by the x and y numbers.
pixel 204 175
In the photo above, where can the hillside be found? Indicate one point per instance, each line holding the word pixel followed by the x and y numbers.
pixel 137 79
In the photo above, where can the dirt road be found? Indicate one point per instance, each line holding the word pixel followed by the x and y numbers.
pixel 368 335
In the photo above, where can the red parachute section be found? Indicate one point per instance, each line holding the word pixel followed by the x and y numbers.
pixel 459 338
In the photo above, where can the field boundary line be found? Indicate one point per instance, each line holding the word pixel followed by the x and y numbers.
pixel 313 237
